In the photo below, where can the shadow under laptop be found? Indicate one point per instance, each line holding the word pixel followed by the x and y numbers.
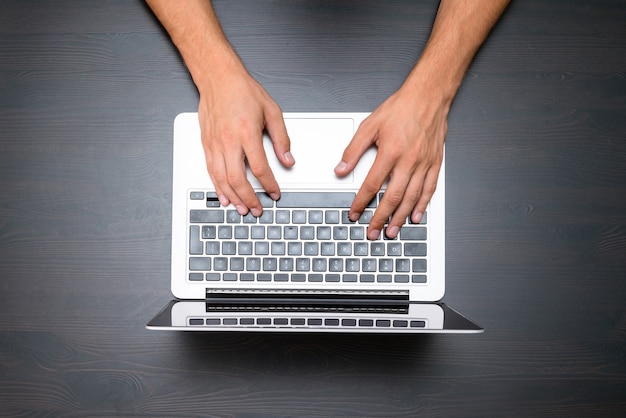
pixel 308 354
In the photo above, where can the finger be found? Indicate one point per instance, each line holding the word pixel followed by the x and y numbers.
pixel 226 195
pixel 260 168
pixel 392 198
pixel 243 196
pixel 378 173
pixel 362 140
pixel 275 126
pixel 216 172
pixel 411 195
pixel 428 190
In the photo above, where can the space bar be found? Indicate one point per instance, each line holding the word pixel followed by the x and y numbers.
pixel 315 200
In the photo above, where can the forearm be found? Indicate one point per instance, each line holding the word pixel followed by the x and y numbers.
pixel 460 28
pixel 197 33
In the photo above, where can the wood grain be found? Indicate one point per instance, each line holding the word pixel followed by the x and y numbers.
pixel 536 215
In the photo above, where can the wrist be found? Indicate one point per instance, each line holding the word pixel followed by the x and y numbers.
pixel 432 83
pixel 210 72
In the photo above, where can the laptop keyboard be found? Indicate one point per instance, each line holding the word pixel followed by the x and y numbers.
pixel 303 237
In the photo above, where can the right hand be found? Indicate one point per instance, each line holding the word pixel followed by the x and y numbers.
pixel 233 115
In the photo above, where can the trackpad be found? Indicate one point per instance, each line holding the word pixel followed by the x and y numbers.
pixel 317 145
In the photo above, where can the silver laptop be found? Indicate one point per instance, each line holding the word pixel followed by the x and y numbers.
pixel 302 266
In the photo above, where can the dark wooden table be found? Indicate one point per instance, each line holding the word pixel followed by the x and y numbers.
pixel 536 215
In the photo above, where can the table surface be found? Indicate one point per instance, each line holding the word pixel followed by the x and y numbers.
pixel 536 214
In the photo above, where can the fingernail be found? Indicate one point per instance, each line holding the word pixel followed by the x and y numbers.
pixel 354 216
pixel 374 234
pixel 275 196
pixel 417 217
pixel 241 209
pixel 392 231
pixel 256 212
pixel 289 157
pixel 223 200
pixel 341 166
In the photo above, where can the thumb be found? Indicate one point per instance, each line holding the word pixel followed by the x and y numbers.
pixel 362 140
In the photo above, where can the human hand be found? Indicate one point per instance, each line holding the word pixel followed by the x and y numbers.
pixel 409 131
pixel 233 114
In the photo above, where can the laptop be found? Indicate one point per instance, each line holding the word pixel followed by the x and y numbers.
pixel 302 266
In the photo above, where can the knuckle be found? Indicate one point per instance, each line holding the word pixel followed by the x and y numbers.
pixel 429 189
pixel 274 108
pixel 259 170
pixel 216 175
pixel 235 180
pixel 393 198
pixel 379 219
pixel 390 153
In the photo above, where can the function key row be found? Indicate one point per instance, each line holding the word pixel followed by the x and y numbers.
pixel 315 322
pixel 292 199
pixel 296 200
pixel 296 216
pixel 304 277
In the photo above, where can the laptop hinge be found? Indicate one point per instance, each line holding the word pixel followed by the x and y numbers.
pixel 298 298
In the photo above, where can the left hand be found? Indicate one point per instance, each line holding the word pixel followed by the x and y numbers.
pixel 409 129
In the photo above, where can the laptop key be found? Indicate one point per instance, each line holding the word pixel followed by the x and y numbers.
pixel 265 199
pixel 199 263
pixel 415 249
pixel 245 248
pixel 274 232
pixel 213 277
pixel 340 232
pixel 270 264
pixel 294 248
pixel 278 248
pixel 298 277
pixel 328 248
pixel 315 200
pixel 196 195
pixel 224 232
pixel 195 245
pixel 208 232
pixel 357 233
pixel 267 217
pixel 232 216
pixel 360 248
pixel 261 248
pixel 236 264
pixel 241 232
pixel 285 264
pixel 403 265
pixel 298 216
pixel 229 248
pixel 220 264
pixel 303 264
pixel 307 232
pixel 282 216
pixel 316 277
pixel 316 217
pixel 323 232
pixel 212 248
pixel 257 232
pixel 311 248
pixel 344 248
pixel 335 265
pixel 332 216
pixel 419 265
pixel 413 233
pixel 207 216
pixel 319 264
pixel 290 232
